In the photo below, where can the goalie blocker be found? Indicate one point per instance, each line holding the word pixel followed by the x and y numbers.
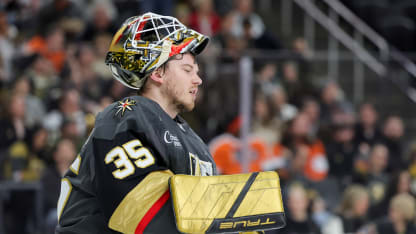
pixel 227 203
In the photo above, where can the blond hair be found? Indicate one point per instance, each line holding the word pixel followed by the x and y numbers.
pixel 297 188
pixel 405 204
pixel 351 195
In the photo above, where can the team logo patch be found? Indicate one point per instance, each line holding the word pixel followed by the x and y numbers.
pixel 123 106
pixel 199 167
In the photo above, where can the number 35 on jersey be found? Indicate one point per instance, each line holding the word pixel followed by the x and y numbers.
pixel 127 157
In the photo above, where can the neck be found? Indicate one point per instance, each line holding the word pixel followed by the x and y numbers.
pixel 400 226
pixel 16 119
pixel 164 103
pixel 62 168
pixel 374 170
pixel 299 216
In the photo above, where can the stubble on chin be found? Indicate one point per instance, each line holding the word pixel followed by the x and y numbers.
pixel 182 107
pixel 176 97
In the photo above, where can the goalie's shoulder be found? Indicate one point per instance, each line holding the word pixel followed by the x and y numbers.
pixel 122 110
pixel 134 112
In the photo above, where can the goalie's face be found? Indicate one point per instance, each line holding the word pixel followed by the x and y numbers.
pixel 181 81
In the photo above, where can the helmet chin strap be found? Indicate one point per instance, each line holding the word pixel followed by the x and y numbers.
pixel 164 55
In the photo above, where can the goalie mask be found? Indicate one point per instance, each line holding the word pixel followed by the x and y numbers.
pixel 144 43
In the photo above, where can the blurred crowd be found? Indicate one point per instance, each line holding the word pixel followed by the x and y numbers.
pixel 343 168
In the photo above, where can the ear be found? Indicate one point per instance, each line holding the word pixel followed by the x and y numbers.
pixel 157 75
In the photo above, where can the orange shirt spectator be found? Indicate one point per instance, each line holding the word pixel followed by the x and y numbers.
pixel 226 149
pixel 51 47
pixel 309 155
pixel 316 166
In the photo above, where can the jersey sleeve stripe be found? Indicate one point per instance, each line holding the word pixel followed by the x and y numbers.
pixel 76 165
pixel 152 212
pixel 139 201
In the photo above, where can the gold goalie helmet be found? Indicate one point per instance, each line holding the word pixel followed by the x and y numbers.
pixel 144 43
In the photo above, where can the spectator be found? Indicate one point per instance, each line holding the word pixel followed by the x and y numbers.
pixel 20 163
pixel 301 47
pixel 341 150
pixel 400 216
pixel 265 41
pixel 367 131
pixel 100 45
pixel 224 6
pixel 228 45
pixel 24 15
pixel 244 10
pixel 286 111
pixel 43 76
pixel 375 177
pixel 332 100
pixel 183 13
pixel 204 19
pixel 91 82
pixel 328 222
pixel 69 130
pixel 57 10
pixel 265 123
pixel 69 108
pixel 266 77
pixel 226 150
pixel 303 54
pixel 309 158
pixel 379 157
pixel 403 182
pixel 104 102
pixel 18 208
pixel 311 108
pixel 21 166
pixel 13 126
pixel 224 33
pixel 73 77
pixel 392 137
pixel 298 220
pixel 39 146
pixel 297 87
pixel 101 17
pixel 116 90
pixel 353 208
pixel 7 49
pixel 51 46
pixel 398 184
pixel 63 155
pixel 35 108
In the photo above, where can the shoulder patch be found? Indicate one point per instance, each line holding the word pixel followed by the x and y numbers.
pixel 124 105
